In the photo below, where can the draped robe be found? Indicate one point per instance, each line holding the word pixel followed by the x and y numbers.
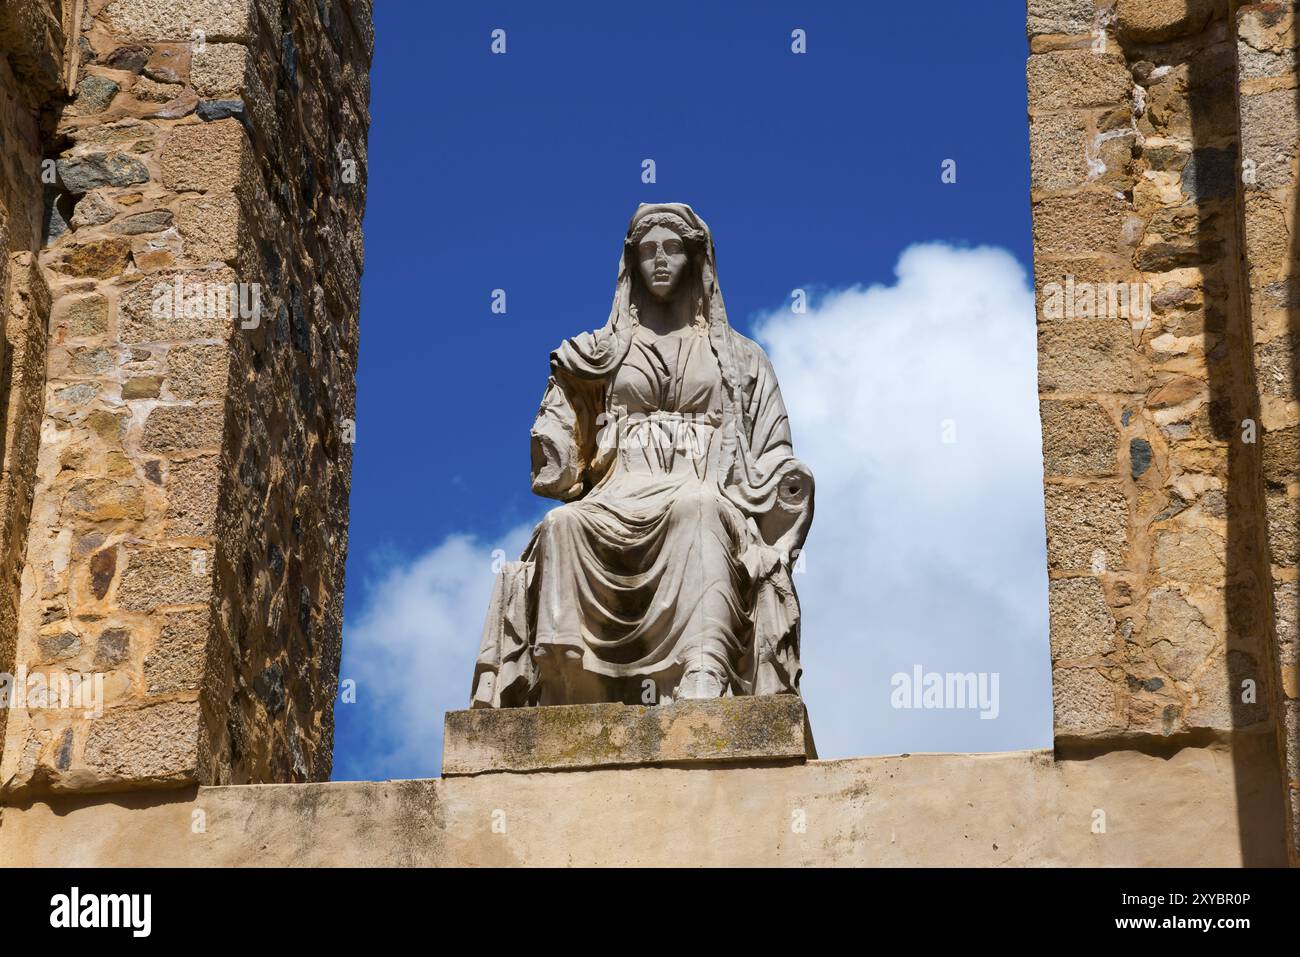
pixel 669 452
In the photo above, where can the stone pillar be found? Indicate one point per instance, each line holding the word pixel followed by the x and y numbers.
pixel 33 71
pixel 189 523
pixel 1162 626
pixel 1269 95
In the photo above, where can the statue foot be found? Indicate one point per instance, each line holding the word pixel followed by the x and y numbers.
pixel 698 683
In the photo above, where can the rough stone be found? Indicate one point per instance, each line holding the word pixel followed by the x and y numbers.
pixel 150 221
pixel 1079 438
pixel 172 428
pixel 177 20
pixel 81 174
pixel 1087 526
pixel 1058 150
pixel 752 730
pixel 1084 701
pixel 1154 21
pixel 192 496
pixel 94 94
pixel 176 661
pixel 1087 356
pixel 1061 16
pixel 156 577
pixel 100 259
pixel 1081 623
pixel 209 110
pixel 206 157
pixel 219 68
pixel 1079 224
pixel 147 745
pixel 1077 78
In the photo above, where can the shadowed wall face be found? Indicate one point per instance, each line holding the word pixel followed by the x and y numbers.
pixel 1267 43
pixel 1162 618
pixel 189 518
pixel 32 77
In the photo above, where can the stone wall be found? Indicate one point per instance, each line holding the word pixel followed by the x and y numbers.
pixel 32 77
pixel 1161 599
pixel 189 522
pixel 1021 808
pixel 1267 43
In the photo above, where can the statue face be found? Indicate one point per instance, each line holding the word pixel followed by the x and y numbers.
pixel 661 255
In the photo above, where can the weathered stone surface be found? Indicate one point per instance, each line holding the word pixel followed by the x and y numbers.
pixel 124 523
pixel 1187 808
pixel 179 19
pixel 1084 701
pixel 206 157
pixel 100 259
pixel 1281 456
pixel 1077 78
pixel 150 221
pixel 1058 144
pixel 1079 224
pixel 94 93
pixel 157 577
pixel 151 745
pixel 192 496
pixel 210 110
pixel 82 315
pixel 1087 527
pixel 1087 356
pixel 80 174
pixel 1079 438
pixel 1177 633
pixel 172 428
pixel 219 68
pixel 1082 624
pixel 92 210
pixel 1152 21
pixel 210 226
pixel 1061 16
pixel 147 310
pixel 718 731
pixel 176 661
pixel 1278 367
pixel 1284 529
pixel 1190 555
pixel 1270 130
pixel 197 371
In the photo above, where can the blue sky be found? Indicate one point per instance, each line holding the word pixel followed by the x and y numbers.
pixel 816 171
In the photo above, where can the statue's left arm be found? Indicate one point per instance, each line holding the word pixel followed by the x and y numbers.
pixel 772 485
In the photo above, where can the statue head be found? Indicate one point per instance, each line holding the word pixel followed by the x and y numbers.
pixel 661 259
pixel 662 248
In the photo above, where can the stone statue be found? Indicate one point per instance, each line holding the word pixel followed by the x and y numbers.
pixel 667 572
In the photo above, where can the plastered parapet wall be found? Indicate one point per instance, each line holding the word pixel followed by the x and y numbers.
pixel 1124 808
pixel 202 252
pixel 1163 168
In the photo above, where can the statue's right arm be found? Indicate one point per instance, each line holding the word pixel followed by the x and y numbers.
pixel 556 452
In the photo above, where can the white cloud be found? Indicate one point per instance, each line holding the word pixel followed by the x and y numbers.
pixel 922 552
pixel 411 651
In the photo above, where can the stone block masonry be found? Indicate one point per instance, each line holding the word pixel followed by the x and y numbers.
pixel 189 514
pixel 1162 138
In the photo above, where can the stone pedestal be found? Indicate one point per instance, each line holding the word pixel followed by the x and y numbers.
pixel 749 732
